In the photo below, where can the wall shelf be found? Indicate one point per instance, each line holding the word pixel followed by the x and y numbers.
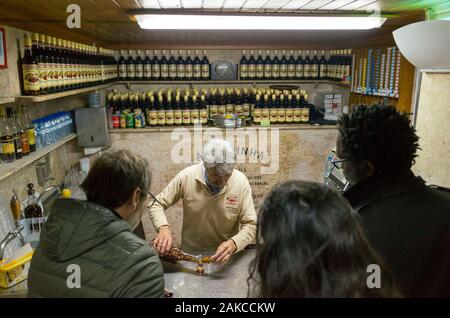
pixel 7 100
pixel 47 97
pixel 233 82
pixel 376 95
pixel 7 169
pixel 190 128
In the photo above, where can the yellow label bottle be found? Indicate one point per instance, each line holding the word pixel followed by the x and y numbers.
pixel 265 113
pixel 195 112
pixel 152 113
pixel 30 70
pixel 170 121
pixel 203 111
pixel 238 110
pixel 305 114
pixel 273 111
pixel 257 114
pixel 221 109
pixel 212 111
pixel 161 112
pixel 297 111
pixel 229 108
pixel 289 111
pixel 177 113
pixel 186 112
pixel 282 111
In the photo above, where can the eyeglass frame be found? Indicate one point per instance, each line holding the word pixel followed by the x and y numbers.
pixel 154 200
pixel 337 163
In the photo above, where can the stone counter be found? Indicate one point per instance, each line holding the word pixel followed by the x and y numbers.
pixel 218 281
pixel 266 155
pixel 17 291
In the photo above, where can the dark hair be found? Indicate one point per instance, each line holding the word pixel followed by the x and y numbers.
pixel 113 178
pixel 311 245
pixel 381 135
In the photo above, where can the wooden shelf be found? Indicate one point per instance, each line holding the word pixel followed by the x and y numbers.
pixel 375 95
pixel 7 169
pixel 233 82
pixel 7 100
pixel 305 126
pixel 48 97
pixel 44 98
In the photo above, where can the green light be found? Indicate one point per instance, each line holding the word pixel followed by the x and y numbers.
pixel 440 11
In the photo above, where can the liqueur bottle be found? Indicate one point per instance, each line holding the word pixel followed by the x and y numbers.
pixel 206 74
pixel 131 70
pixel 180 67
pixel 268 67
pixel 30 70
pixel 243 67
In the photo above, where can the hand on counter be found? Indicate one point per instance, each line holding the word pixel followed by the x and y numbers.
pixel 224 252
pixel 164 240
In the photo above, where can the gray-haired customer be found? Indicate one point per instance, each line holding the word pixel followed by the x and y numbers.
pixel 218 210
pixel 87 248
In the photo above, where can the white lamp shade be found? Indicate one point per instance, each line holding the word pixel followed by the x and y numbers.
pixel 425 44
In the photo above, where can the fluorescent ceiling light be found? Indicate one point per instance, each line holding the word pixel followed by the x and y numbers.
pixel 252 22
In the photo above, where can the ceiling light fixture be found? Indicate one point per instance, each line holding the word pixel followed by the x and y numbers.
pixel 252 22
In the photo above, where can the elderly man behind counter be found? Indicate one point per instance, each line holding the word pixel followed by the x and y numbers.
pixel 218 210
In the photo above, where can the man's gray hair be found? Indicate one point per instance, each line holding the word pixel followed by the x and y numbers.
pixel 219 154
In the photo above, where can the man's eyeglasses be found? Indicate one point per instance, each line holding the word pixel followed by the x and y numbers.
pixel 338 163
pixel 152 199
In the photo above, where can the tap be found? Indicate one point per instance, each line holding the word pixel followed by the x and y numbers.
pixel 15 233
pixel 49 189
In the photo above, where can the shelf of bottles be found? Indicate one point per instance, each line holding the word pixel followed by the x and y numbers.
pixel 376 72
pixel 23 141
pixel 8 169
pixel 138 65
pixel 305 65
pixel 52 65
pixel 17 135
pixel 177 107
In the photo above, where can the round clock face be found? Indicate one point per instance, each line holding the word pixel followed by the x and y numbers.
pixel 224 69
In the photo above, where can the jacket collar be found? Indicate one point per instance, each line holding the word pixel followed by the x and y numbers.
pixel 200 173
pixel 370 190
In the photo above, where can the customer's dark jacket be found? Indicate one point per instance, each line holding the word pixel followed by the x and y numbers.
pixel 113 261
pixel 408 223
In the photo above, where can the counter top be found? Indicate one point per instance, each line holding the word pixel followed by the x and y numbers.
pixel 17 291
pixel 218 281
pixel 227 281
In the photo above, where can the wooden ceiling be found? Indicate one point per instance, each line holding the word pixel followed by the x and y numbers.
pixel 105 22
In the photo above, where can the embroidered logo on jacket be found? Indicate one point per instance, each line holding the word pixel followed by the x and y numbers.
pixel 231 202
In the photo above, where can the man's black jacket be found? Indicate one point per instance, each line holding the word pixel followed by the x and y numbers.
pixel 408 224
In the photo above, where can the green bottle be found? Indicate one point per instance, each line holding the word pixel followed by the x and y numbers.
pixel 130 120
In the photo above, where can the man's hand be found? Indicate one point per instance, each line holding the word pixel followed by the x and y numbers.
pixel 163 241
pixel 224 252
